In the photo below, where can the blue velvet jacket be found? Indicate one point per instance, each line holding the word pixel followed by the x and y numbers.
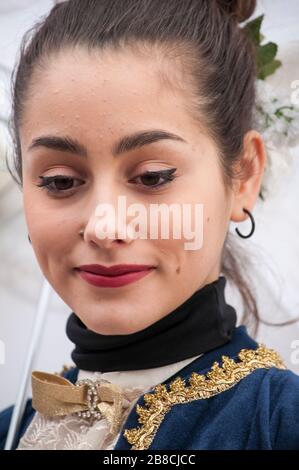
pixel 248 401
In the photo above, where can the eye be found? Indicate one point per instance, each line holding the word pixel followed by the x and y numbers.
pixel 58 183
pixel 155 179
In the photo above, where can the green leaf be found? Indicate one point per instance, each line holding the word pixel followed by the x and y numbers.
pixel 253 28
pixel 266 53
pixel 268 69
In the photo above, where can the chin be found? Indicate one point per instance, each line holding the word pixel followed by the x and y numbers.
pixel 106 326
pixel 117 327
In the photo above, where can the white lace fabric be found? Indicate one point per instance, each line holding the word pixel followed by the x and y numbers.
pixel 74 433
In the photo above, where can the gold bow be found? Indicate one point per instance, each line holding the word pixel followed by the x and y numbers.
pixel 53 395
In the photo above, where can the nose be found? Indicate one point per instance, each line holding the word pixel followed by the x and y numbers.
pixel 106 228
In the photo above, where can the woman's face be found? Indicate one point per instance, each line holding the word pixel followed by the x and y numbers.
pixel 97 100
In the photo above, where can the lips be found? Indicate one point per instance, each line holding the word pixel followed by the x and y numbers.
pixel 114 276
pixel 116 270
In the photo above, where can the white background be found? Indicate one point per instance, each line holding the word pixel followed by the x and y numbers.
pixel 275 244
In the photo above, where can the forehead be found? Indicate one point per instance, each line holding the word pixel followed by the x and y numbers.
pixel 116 91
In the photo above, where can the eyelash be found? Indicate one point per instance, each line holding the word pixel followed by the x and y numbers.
pixel 168 176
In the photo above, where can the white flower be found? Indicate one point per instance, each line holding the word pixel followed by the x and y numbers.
pixel 279 164
pixel 276 116
pixel 277 119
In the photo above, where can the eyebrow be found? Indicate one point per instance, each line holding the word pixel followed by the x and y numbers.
pixel 125 144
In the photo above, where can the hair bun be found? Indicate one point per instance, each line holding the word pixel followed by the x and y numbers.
pixel 240 9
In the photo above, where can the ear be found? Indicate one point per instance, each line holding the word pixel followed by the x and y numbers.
pixel 247 185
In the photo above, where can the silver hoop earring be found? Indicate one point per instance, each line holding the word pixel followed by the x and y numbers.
pixel 252 225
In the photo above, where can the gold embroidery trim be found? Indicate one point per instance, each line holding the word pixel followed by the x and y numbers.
pixel 217 380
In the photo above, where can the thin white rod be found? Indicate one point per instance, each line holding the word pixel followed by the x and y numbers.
pixel 37 330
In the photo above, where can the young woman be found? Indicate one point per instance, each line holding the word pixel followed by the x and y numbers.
pixel 151 101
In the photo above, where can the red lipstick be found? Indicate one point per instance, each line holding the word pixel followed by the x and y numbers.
pixel 113 276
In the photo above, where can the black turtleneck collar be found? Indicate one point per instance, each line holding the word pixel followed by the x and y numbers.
pixel 202 323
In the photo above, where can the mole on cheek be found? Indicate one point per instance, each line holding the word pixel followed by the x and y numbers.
pixel 178 270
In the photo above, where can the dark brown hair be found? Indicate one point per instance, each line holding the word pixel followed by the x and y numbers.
pixel 217 64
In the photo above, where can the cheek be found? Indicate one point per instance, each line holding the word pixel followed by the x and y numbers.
pixel 44 216
pixel 50 235
pixel 206 235
pixel 35 214
pixel 214 229
pixel 202 227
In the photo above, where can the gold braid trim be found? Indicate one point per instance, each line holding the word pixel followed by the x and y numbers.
pixel 217 380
